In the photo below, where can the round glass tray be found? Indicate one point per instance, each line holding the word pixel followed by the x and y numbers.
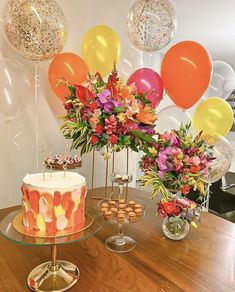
pixel 113 220
pixel 7 229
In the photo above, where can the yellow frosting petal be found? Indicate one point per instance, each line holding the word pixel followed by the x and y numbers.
pixel 41 223
pixel 59 211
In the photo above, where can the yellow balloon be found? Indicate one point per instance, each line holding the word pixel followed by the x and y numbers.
pixel 213 116
pixel 101 49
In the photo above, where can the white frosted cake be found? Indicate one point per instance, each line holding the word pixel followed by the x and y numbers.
pixel 53 202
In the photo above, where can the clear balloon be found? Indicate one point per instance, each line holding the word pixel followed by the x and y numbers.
pixel 148 82
pixel 131 59
pixel 223 153
pixel 36 29
pixel 186 72
pixel 171 117
pixel 223 81
pixel 16 88
pixel 213 116
pixel 101 48
pixel 151 24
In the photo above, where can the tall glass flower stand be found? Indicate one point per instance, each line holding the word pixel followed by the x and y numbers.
pixel 54 275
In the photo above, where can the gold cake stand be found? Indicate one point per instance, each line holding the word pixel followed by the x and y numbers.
pixel 55 275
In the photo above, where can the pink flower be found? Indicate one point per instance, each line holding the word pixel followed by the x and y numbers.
pixel 111 125
pixel 195 160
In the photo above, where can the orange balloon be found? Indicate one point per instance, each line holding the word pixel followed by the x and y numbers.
pixel 186 73
pixel 69 67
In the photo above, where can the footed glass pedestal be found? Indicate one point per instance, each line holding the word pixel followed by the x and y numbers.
pixel 120 243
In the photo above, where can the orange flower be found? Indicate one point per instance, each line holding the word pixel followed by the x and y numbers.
pixel 146 116
pixel 125 93
pixel 195 169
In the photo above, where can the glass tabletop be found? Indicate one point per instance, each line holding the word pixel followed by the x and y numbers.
pixel 8 231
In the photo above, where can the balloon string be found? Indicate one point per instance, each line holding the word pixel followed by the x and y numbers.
pixel 36 87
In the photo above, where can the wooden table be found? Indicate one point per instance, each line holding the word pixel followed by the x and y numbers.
pixel 204 261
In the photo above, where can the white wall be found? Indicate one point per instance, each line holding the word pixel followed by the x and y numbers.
pixel 209 22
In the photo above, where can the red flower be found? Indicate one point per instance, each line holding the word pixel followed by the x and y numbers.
pixel 169 207
pixel 94 139
pixel 99 129
pixel 84 95
pixel 113 139
pixel 194 168
pixel 185 190
pixel 68 106
pixel 93 106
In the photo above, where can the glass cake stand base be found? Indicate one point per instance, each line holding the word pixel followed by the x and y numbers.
pixel 119 244
pixel 56 275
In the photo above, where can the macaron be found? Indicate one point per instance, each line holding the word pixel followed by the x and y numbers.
pixel 103 210
pixel 104 205
pixel 128 209
pixel 131 203
pixel 114 211
pixel 121 218
pixel 122 206
pixel 121 201
pixel 132 217
pixel 108 215
pixel 137 206
pixel 138 212
pixel 112 203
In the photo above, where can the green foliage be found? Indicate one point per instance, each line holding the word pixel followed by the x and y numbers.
pixel 157 187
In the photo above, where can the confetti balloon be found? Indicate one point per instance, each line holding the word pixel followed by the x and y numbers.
pixel 151 24
pixel 36 29
pixel 222 152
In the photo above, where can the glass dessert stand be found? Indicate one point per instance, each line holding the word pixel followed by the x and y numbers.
pixel 120 216
pixel 55 275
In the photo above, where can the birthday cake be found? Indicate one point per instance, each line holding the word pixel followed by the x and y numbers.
pixel 54 201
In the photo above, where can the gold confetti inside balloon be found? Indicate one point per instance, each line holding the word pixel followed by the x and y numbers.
pixel 151 24
pixel 36 29
pixel 222 152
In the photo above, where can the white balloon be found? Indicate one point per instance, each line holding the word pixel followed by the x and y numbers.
pixel 171 117
pixel 223 81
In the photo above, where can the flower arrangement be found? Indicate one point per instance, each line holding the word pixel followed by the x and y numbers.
pixel 178 162
pixel 108 114
pixel 178 209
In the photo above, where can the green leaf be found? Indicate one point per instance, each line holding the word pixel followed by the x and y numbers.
pixel 117 110
pixel 72 90
pixel 143 136
pixel 133 147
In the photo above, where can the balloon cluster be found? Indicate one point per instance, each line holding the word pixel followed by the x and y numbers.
pixel 37 30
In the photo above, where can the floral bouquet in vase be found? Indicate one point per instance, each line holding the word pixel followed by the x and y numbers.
pixel 177 213
pixel 174 166
pixel 108 114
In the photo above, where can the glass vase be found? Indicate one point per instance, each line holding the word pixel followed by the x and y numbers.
pixel 175 228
